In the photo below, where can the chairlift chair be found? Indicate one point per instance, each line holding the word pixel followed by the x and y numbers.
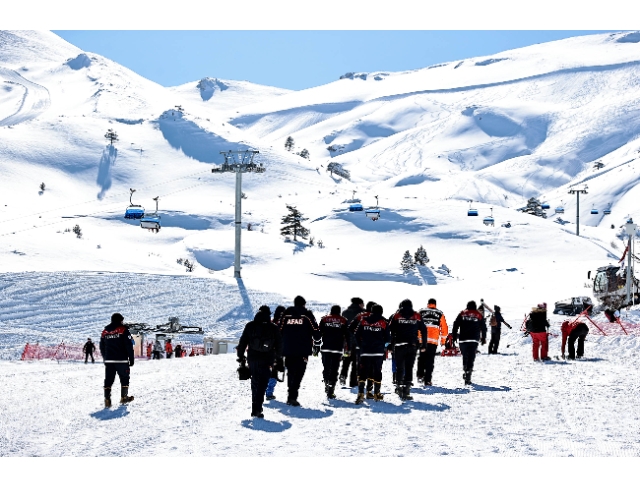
pixel 594 211
pixel 607 211
pixel 560 209
pixel 152 220
pixel 545 206
pixel 472 211
pixel 133 212
pixel 356 207
pixel 489 220
pixel 372 213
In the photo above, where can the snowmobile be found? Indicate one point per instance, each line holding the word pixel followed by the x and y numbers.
pixel 609 286
pixel 573 306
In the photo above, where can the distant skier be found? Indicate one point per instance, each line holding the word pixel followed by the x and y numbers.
pixel 437 332
pixel 116 347
pixel 279 367
pixel 469 329
pixel 373 336
pixel 537 326
pixel 496 321
pixel 178 351
pixel 168 348
pixel 88 350
pixel 572 332
pixel 299 333
pixel 157 350
pixel 149 349
pixel 355 308
pixel 262 339
pixel 404 327
pixel 333 328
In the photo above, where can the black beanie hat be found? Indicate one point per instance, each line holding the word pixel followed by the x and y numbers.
pixel 117 318
pixel 299 301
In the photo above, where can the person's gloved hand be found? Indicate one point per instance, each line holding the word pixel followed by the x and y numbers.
pixel 346 354
pixel 131 361
pixel 484 341
pixel 509 326
pixel 315 350
pixel 241 359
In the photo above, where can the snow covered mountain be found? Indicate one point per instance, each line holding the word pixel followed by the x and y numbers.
pixel 495 130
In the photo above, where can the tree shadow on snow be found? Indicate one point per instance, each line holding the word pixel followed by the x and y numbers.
pixel 107 414
pixel 299 411
pixel 266 425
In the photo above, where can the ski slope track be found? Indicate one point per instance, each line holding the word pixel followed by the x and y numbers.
pixel 422 147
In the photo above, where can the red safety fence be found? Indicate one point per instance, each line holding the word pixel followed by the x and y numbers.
pixel 73 351
pixel 62 351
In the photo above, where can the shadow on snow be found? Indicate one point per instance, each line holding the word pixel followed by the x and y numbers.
pixel 265 425
pixel 299 412
pixel 107 414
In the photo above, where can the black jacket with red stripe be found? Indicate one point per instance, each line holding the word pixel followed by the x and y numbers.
pixel 372 333
pixel 404 327
pixel 116 345
pixel 469 327
pixel 299 331
pixel 334 333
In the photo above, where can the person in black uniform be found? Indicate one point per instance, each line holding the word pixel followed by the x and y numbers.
pixel 496 329
pixel 116 347
pixel 88 350
pixel 468 330
pixel 355 308
pixel 404 327
pixel 333 328
pixel 262 339
pixel 300 333
pixel 372 335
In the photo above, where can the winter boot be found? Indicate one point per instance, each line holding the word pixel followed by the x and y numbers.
pixel 377 396
pixel 107 397
pixel 406 390
pixel 393 381
pixel 360 398
pixel 369 389
pixel 256 412
pixel 467 378
pixel 124 398
pixel 293 401
pixel 330 391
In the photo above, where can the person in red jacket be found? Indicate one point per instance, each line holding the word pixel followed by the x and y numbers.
pixel 168 348
pixel 574 331
pixel 537 325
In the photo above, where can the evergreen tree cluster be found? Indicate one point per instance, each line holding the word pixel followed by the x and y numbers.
pixel 534 207
pixel 409 263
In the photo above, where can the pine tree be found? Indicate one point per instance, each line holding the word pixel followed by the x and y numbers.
pixel 534 207
pixel 293 224
pixel 420 256
pixel 288 144
pixel 111 135
pixel 407 265
pixel 304 153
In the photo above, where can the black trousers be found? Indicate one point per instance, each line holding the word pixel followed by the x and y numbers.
pixel 156 356
pixel 468 350
pixel 331 364
pixel 579 333
pixel 495 340
pixel 260 374
pixel 426 360
pixel 86 357
pixel 405 356
pixel 371 368
pixel 296 366
pixel 110 371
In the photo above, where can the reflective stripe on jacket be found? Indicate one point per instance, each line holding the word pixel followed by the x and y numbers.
pixel 434 320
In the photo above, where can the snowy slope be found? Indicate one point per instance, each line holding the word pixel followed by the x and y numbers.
pixel 423 141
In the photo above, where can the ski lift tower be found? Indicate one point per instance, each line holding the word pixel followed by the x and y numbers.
pixel 577 193
pixel 631 228
pixel 239 161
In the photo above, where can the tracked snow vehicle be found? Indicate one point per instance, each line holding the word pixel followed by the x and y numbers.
pixel 609 286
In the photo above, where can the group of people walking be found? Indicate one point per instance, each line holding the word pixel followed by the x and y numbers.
pixel 360 338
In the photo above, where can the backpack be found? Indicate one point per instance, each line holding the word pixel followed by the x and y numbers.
pixel 493 321
pixel 262 342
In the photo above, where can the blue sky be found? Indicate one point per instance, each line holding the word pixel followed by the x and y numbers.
pixel 293 59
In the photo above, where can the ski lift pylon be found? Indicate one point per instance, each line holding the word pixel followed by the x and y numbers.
pixel 133 212
pixel 152 220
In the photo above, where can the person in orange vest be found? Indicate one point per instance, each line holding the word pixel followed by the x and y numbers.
pixel 168 348
pixel 572 332
pixel 437 331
